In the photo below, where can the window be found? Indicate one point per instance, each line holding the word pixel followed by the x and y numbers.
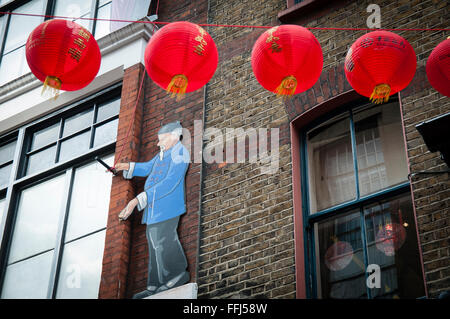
pixel 6 159
pixel 17 28
pixel 359 210
pixel 56 240
pixel 86 9
pixel 2 208
pixel 72 135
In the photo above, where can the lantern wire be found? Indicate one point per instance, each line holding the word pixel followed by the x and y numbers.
pixel 203 25
pixel 224 25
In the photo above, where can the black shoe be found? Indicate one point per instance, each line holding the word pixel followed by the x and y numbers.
pixel 146 293
pixel 177 281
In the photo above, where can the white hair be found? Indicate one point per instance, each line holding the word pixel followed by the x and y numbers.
pixel 177 132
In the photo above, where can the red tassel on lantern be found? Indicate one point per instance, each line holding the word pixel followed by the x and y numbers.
pixel 63 55
pixel 287 60
pixel 380 64
pixel 181 57
pixel 438 67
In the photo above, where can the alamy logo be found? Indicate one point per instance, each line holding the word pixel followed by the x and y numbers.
pixel 374 277
pixel 229 145
pixel 374 20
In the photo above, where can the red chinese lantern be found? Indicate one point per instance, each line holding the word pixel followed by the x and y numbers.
pixel 438 68
pixel 63 55
pixel 181 57
pixel 287 60
pixel 380 64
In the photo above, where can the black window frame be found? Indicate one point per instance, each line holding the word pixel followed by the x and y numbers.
pixel 19 182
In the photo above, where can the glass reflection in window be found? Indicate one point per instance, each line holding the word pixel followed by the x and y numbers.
pixel 74 146
pixel 106 133
pixel 330 163
pixel 340 258
pixel 77 122
pixel 380 148
pixel 89 199
pixel 41 160
pixel 392 244
pixel 81 268
pixel 28 279
pixel 37 219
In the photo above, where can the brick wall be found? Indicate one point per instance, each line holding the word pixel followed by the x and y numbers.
pixel 160 109
pixel 244 245
pixel 246 238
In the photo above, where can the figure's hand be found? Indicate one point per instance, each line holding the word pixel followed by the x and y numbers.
pixel 126 212
pixel 122 166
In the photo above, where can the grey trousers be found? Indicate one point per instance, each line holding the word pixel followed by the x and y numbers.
pixel 166 256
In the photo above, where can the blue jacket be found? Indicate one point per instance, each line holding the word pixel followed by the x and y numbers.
pixel 164 191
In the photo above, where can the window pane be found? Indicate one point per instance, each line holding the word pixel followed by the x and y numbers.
pixel 340 258
pixel 21 26
pixel 108 110
pixel 37 220
pixel 28 279
pixel 72 8
pixel 74 146
pixel 2 210
pixel 76 9
pixel 14 64
pixel 380 148
pixel 5 172
pixel 83 22
pixel 45 136
pixel 102 28
pixel 106 133
pixel 7 152
pixel 2 18
pixel 81 268
pixel 330 163
pixel 42 160
pixel 89 199
pixel 77 122
pixel 392 244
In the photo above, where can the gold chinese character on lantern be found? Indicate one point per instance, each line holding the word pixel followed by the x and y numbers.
pixel 75 54
pixel 83 33
pixel 80 43
pixel 202 42
pixel 271 39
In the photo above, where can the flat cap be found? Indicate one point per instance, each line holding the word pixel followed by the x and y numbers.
pixel 170 127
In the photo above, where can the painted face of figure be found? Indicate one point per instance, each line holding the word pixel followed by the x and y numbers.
pixel 166 141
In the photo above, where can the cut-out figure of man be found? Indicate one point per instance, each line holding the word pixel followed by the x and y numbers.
pixel 163 201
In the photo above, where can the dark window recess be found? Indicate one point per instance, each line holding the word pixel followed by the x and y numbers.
pixel 302 11
pixel 435 133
